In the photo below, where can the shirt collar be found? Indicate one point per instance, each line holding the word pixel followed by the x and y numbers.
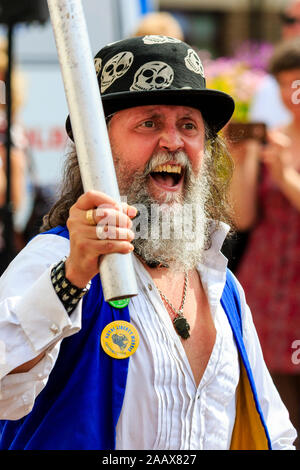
pixel 213 258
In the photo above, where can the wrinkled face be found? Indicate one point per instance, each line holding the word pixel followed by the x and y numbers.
pixel 136 134
pixel 160 163
pixel 289 84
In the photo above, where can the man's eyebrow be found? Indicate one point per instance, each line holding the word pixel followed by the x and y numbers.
pixel 153 113
pixel 149 114
pixel 188 115
pixel 191 113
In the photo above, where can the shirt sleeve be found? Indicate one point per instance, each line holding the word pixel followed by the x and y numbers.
pixel 281 431
pixel 32 320
pixel 19 391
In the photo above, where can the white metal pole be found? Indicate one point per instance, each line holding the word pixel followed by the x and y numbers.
pixel 89 129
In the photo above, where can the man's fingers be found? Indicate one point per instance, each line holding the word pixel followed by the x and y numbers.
pixel 131 211
pixel 102 247
pixel 96 207
pixel 110 216
pixel 104 232
pixel 102 216
pixel 93 199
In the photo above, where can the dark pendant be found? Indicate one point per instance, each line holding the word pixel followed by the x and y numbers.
pixel 182 327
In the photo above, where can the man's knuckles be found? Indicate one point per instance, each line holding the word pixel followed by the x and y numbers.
pixel 114 233
pixel 92 199
pixel 112 217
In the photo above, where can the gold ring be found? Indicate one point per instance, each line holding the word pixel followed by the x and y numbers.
pixel 90 217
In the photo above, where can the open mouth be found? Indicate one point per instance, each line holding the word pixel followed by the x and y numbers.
pixel 168 176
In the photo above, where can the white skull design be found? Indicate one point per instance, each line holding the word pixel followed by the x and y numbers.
pixel 98 63
pixel 152 76
pixel 152 39
pixel 115 68
pixel 193 62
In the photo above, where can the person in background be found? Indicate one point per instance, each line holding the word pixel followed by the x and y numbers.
pixel 18 153
pixel 160 23
pixel 267 105
pixel 266 196
pixel 19 141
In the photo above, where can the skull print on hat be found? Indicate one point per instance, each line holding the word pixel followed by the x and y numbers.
pixel 152 76
pixel 193 62
pixel 157 39
pixel 98 65
pixel 115 68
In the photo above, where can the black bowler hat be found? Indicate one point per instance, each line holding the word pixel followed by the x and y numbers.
pixel 148 70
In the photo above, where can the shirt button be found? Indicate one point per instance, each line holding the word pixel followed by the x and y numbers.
pixel 149 286
pixel 25 399
pixel 54 328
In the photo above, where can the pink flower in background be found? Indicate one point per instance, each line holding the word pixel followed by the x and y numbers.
pixel 239 75
pixel 255 54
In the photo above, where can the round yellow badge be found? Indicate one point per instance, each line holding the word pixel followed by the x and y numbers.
pixel 119 339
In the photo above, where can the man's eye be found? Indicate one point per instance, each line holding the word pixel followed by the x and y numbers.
pixel 189 125
pixel 148 124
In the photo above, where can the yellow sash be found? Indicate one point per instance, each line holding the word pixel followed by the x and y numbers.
pixel 248 432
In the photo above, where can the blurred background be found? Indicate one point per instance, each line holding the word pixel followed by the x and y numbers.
pixel 236 40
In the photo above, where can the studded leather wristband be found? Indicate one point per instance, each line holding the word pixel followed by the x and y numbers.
pixel 68 294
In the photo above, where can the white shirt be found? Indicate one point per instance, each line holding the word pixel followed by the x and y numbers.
pixel 168 409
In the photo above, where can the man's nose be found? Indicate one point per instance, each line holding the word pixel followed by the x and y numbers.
pixel 170 139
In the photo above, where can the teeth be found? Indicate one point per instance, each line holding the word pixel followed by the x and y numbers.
pixel 168 169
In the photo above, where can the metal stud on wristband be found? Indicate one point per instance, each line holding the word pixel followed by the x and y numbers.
pixel 68 294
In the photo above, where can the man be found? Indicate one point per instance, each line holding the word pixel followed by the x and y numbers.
pixel 267 104
pixel 163 372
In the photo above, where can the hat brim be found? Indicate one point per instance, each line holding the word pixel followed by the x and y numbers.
pixel 215 106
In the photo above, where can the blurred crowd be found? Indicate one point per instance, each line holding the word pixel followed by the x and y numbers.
pixel 265 194
pixel 24 192
pixel 264 252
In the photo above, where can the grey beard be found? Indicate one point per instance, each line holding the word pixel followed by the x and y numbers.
pixel 172 232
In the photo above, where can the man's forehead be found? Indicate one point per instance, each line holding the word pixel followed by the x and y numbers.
pixel 161 110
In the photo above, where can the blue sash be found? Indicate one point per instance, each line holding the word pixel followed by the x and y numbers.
pixel 80 406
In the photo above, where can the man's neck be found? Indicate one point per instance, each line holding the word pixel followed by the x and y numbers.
pixel 161 273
